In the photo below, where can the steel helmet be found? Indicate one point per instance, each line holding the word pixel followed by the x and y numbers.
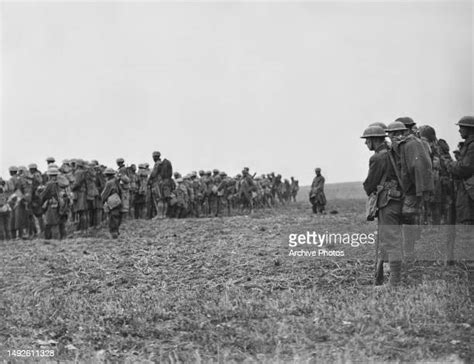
pixel 53 171
pixel 32 166
pixel 50 160
pixel 427 132
pixel 373 131
pixel 120 160
pixel 396 126
pixel 407 121
pixel 109 172
pixel 13 169
pixel 378 123
pixel 466 121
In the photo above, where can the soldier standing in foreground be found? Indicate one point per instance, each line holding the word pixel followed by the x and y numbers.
pixel 35 205
pixel 316 195
pixel 56 204
pixel 111 197
pixel 382 180
pixel 463 171
pixel 414 168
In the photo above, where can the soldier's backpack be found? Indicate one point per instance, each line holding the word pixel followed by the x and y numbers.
pixel 166 169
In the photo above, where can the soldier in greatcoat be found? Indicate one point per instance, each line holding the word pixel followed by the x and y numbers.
pixel 35 205
pixel 317 196
pixel 415 170
pixel 56 204
pixel 111 198
pixel 463 171
pixel 79 189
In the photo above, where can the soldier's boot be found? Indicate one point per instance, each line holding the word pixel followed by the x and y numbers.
pixel 379 273
pixel 41 223
pixel 395 273
pixel 411 273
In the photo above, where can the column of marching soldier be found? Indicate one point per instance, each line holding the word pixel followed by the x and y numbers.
pixel 413 180
pixel 87 194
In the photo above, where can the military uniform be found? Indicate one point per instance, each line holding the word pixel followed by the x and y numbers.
pixel 382 181
pixel 247 186
pixel 389 204
pixel 132 175
pixel 463 171
pixel 415 170
pixel 35 205
pixel 22 207
pixel 317 196
pixel 79 189
pixel 56 204
pixel 141 193
pixel 154 182
pixel 94 203
pixel 5 211
pixel 182 198
pixel 115 214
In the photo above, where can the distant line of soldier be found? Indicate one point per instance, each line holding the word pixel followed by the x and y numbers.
pixel 80 192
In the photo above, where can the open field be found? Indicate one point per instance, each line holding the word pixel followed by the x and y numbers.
pixel 225 289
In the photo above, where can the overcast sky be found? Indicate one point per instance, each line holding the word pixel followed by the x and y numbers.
pixel 275 86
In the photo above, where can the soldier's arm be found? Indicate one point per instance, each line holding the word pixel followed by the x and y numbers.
pixel 376 170
pixel 463 168
pixel 106 192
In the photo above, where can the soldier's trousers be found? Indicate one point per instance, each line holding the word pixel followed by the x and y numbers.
pixel 411 234
pixel 82 217
pixel 205 205
pixel 115 219
pixel 48 230
pixel 33 229
pixel 139 210
pixel 95 217
pixel 390 231
pixel 5 226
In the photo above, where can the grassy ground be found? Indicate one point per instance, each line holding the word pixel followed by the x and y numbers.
pixel 219 290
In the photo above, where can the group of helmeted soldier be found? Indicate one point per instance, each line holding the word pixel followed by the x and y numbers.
pixel 416 181
pixel 87 194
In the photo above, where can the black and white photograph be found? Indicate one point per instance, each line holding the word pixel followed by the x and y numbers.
pixel 237 181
